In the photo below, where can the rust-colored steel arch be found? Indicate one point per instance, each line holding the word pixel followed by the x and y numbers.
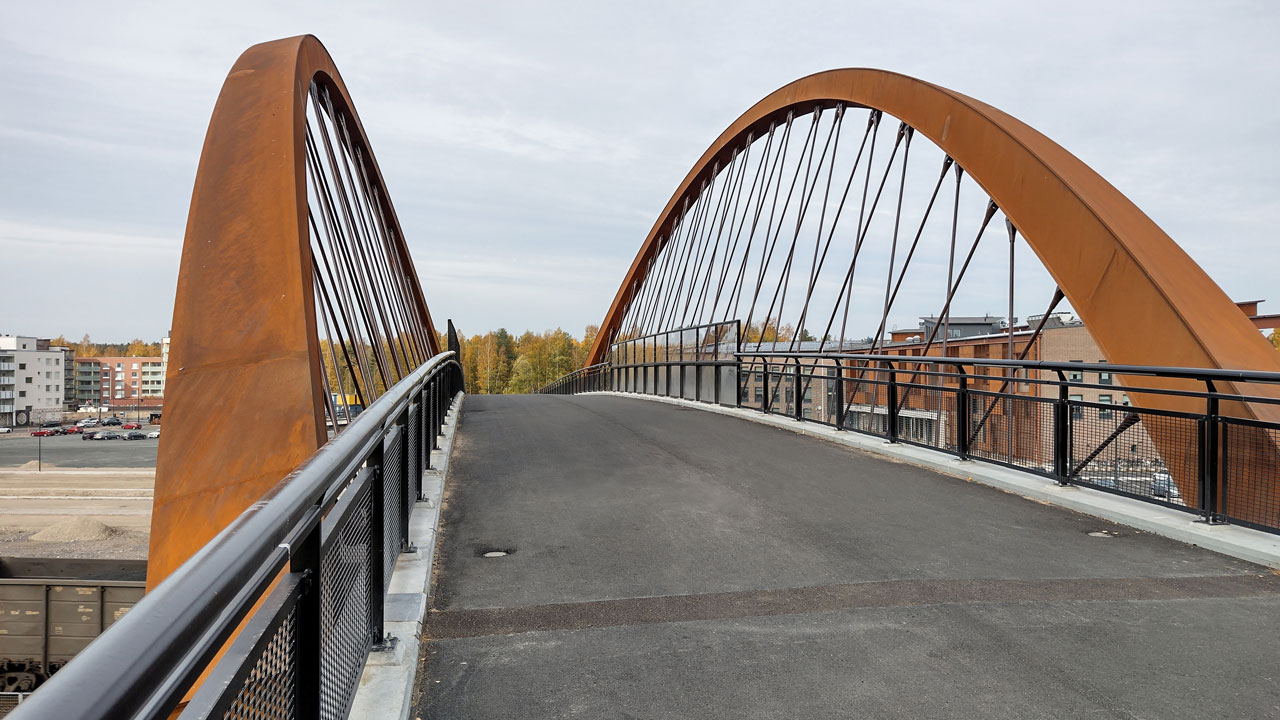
pixel 244 390
pixel 1142 297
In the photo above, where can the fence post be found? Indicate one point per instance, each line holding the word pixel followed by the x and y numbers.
pixel 795 381
pixel 305 559
pixel 1209 454
pixel 377 539
pixel 839 396
pixel 962 415
pixel 1062 434
pixel 892 409
pixel 768 396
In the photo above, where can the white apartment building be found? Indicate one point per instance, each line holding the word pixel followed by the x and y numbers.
pixel 32 376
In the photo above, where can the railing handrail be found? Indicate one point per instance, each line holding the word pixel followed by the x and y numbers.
pixel 1056 366
pixel 146 660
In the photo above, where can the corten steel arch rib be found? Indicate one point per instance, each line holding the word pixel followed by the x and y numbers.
pixel 244 389
pixel 1145 301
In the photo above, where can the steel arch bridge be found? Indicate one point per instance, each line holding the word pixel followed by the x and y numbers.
pixel 308 383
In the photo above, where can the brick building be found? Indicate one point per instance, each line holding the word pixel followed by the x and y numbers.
pixel 120 383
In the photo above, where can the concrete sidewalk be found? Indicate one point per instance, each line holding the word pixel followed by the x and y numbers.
pixel 668 562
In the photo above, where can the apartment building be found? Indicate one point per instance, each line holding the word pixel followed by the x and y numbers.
pixel 32 380
pixel 120 382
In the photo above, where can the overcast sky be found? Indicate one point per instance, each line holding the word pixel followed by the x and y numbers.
pixel 528 147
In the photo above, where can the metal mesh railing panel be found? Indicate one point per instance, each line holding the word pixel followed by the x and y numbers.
pixel 1012 430
pixel 1111 448
pixel 1250 464
pixel 866 405
pixel 346 635
pixel 270 690
pixel 927 416
pixel 413 486
pixel 393 503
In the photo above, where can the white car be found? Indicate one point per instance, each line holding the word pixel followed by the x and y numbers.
pixel 154 434
pixel 4 430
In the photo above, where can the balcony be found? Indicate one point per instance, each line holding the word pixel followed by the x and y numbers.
pixel 6 366
pixel 6 394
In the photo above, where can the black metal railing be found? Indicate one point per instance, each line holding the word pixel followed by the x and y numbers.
pixel 303 573
pixel 1200 452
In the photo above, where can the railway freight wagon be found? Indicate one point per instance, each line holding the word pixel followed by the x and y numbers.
pixel 51 609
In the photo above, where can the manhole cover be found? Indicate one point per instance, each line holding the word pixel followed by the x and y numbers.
pixel 495 553
pixel 489 551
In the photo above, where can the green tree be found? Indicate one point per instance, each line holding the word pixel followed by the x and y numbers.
pixel 1275 339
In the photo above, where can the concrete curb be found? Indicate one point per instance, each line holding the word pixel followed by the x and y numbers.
pixel 386 685
pixel 1240 542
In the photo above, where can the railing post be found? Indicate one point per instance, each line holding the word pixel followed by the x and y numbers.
pixel 768 396
pixel 1209 495
pixel 795 381
pixel 305 560
pixel 839 396
pixel 962 415
pixel 377 539
pixel 892 409
pixel 1062 434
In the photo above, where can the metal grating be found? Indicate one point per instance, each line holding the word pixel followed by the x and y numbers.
pixel 1250 467
pixel 1112 449
pixel 413 488
pixel 270 690
pixel 346 635
pixel 393 498
pixel 1013 430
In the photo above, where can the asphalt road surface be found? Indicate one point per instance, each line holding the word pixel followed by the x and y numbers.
pixel 71 451
pixel 666 562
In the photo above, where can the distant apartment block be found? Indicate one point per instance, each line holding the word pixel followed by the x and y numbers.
pixel 120 382
pixel 33 377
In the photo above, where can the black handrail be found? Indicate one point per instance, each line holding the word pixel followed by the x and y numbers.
pixel 146 661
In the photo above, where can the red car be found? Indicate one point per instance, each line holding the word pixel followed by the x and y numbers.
pixel 131 426
pixel 74 429
pixel 43 432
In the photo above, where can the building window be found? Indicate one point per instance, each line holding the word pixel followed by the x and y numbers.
pixel 22 393
pixel 22 366
pixel 1076 411
pixel 759 394
pixel 1104 378
pixel 1075 376
pixel 1104 413
pixel 28 379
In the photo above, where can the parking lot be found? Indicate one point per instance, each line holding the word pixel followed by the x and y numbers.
pixel 71 451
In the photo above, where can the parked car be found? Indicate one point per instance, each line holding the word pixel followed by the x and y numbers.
pixel 4 430
pixel 88 422
pixel 1104 482
pixel 131 426
pixel 1163 487
pixel 154 434
pixel 135 435
pixel 72 430
pixel 113 421
pixel 42 432
pixel 51 423
pixel 91 435
pixel 107 435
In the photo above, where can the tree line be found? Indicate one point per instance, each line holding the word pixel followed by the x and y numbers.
pixel 88 348
pixel 499 362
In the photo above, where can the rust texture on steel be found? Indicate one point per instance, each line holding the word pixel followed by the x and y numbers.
pixel 245 390
pixel 1144 300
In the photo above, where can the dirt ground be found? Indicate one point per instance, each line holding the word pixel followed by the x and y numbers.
pixel 119 498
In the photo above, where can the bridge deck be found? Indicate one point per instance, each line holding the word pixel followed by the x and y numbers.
pixel 673 563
